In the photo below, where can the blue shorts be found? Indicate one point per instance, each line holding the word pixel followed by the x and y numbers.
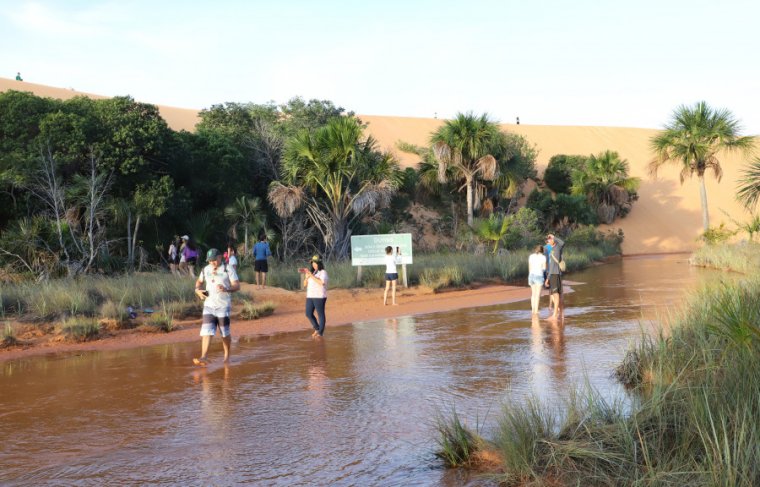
pixel 211 323
pixel 535 280
pixel 391 277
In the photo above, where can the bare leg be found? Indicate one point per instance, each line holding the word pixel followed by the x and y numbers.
pixel 393 292
pixel 205 342
pixel 226 341
pixel 263 280
pixel 385 294
pixel 258 284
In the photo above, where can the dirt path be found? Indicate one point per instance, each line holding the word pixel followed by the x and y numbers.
pixel 344 306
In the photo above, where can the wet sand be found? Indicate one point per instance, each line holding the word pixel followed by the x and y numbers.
pixel 344 306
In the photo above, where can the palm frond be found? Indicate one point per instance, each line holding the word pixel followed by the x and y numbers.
pixel 285 199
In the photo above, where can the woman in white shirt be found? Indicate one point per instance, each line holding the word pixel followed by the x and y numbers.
pixel 391 274
pixel 315 282
pixel 536 266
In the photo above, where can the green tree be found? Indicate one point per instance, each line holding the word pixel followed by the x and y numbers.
pixel 558 173
pixel 693 139
pixel 246 213
pixel 604 180
pixel 749 185
pixel 493 229
pixel 465 144
pixel 339 176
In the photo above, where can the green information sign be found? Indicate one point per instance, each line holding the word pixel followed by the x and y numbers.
pixel 370 249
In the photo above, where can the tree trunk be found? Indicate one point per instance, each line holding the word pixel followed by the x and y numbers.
pixel 703 198
pixel 469 200
pixel 134 236
pixel 130 257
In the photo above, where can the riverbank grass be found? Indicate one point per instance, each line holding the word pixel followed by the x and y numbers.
pixel 741 257
pixel 693 418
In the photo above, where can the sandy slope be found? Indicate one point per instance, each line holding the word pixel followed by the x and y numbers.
pixel 667 217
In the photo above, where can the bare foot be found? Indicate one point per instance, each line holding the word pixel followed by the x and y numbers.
pixel 395 304
pixel 314 334
pixel 200 361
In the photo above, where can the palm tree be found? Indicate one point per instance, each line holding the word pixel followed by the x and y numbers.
pixel 245 213
pixel 604 180
pixel 692 139
pixel 749 186
pixel 339 176
pixel 465 144
pixel 493 229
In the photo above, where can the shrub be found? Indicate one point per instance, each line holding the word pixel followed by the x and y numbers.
pixel 80 329
pixel 524 229
pixel 717 235
pixel 557 175
pixel 9 336
pixel 251 311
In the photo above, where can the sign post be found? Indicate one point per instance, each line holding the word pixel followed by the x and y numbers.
pixel 370 250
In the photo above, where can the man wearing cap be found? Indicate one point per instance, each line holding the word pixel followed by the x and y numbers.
pixel 220 282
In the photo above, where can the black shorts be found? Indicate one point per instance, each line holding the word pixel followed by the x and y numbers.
pixel 555 283
pixel 261 266
pixel 176 259
pixel 391 277
pixel 192 260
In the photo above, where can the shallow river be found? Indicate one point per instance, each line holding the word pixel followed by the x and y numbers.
pixel 355 409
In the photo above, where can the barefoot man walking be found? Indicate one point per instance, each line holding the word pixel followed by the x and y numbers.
pixel 220 282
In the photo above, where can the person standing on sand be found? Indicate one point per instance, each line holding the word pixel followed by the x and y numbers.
pixel 220 282
pixel 536 268
pixel 18 77
pixel 315 282
pixel 391 274
pixel 231 257
pixel 555 274
pixel 173 254
pixel 260 264
pixel 190 253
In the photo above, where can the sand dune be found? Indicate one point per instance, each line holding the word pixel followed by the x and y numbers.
pixel 667 217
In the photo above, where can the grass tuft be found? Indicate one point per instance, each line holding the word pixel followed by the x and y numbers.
pixel 80 329
pixel 252 311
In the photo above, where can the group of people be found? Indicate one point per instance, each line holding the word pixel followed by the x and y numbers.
pixel 218 280
pixel 545 271
pixel 182 255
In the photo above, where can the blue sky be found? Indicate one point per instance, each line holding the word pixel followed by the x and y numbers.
pixel 549 62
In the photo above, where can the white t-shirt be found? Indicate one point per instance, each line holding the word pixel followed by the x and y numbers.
pixel 217 301
pixel 390 263
pixel 233 262
pixel 536 264
pixel 314 289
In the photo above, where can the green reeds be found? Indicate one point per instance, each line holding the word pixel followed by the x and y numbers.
pixel 693 416
pixel 457 445
pixel 742 257
pixel 9 336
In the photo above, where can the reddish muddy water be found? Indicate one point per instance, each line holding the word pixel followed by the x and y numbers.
pixel 356 408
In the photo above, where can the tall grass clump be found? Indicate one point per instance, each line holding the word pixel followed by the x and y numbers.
pixel 692 419
pixel 253 311
pixel 9 336
pixel 79 329
pixel 457 445
pixel 742 257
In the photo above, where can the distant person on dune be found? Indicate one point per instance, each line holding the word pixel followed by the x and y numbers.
pixel 18 77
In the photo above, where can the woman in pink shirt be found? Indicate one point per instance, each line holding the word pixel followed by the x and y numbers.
pixel 315 282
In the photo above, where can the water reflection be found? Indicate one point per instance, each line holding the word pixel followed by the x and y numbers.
pixel 353 409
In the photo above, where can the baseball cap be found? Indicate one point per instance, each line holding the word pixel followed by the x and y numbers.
pixel 212 254
pixel 185 237
pixel 316 258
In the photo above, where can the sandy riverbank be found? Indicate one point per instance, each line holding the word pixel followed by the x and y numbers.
pixel 344 306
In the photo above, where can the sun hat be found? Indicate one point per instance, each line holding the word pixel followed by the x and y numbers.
pixel 212 254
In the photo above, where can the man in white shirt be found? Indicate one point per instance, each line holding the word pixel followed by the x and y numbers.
pixel 220 282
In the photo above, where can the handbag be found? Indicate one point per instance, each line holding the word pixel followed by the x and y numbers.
pixel 560 263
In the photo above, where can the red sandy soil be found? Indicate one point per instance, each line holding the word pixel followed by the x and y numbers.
pixel 344 306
